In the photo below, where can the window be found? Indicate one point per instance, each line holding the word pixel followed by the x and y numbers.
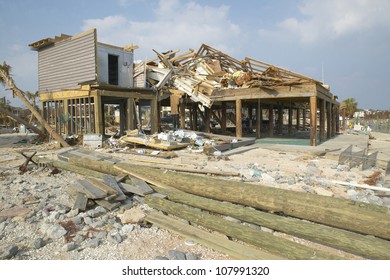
pixel 113 72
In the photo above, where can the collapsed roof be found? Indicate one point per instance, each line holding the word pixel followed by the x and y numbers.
pixel 200 74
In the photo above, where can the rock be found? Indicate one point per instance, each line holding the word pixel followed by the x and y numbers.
pixel 313 171
pixel 160 258
pixel 88 221
pixel 53 231
pixel 78 238
pixel 77 220
pixel 132 216
pixel 9 252
pixel 98 224
pixel 98 211
pixel 14 212
pixel 352 193
pixel 69 246
pixel 176 255
pixel 93 243
pixel 100 234
pixel 267 178
pixel 72 213
pixel 115 236
pixel 191 256
pixel 342 167
pixel 126 229
pixel 321 191
pixel 38 243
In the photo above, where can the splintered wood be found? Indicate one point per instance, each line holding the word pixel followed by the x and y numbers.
pixel 199 74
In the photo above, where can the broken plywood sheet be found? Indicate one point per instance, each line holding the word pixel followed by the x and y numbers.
pixel 88 189
pixel 159 146
pixel 111 181
pixel 140 187
pixel 80 202
pixel 104 187
pixel 109 205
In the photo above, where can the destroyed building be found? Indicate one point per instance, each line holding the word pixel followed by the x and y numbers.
pixel 78 76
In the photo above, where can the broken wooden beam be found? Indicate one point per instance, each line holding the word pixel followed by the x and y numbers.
pixel 346 214
pixel 358 244
pixel 213 241
pixel 111 182
pixel 267 241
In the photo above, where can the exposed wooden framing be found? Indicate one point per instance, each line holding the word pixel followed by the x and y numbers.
pixel 99 114
pixel 182 108
pixel 130 113
pixel 313 121
pixel 223 117
pixel 238 118
pixel 207 116
pixel 194 116
pixel 304 119
pixel 154 115
pixel 214 114
pixel 71 114
pixel 298 119
pixel 271 121
pixel 250 116
pixel 290 117
pixel 322 119
pixel 280 118
pixel 258 119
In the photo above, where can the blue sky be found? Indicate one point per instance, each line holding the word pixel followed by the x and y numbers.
pixel 350 38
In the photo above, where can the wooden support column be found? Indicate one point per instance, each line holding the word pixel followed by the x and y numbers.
pixel 99 114
pixel 322 119
pixel 337 116
pixel 182 113
pixel 238 118
pixel 328 121
pixel 130 114
pixel 154 115
pixel 207 116
pixel 298 119
pixel 290 117
pixel 195 116
pixel 280 119
pixel 313 120
pixel 223 117
pixel 271 120
pixel 65 114
pixel 304 119
pixel 250 116
pixel 258 119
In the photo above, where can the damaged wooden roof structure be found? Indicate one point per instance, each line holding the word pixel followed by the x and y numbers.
pixel 209 82
pixel 78 76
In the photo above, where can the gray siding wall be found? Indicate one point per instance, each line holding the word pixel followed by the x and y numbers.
pixel 125 65
pixel 67 63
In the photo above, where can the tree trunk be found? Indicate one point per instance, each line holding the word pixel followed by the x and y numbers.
pixel 9 81
pixel 22 121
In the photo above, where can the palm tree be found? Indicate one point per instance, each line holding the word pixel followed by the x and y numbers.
pixel 347 108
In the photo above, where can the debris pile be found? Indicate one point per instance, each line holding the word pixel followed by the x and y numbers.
pixel 201 74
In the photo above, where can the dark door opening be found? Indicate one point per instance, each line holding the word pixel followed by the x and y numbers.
pixel 113 72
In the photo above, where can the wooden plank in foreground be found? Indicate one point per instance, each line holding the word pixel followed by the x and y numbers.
pixel 218 243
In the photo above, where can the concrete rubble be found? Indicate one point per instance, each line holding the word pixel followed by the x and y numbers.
pixel 37 219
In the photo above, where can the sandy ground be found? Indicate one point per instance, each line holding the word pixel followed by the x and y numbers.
pixel 297 170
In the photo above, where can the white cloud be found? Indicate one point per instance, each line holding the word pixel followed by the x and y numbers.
pixel 174 24
pixel 333 19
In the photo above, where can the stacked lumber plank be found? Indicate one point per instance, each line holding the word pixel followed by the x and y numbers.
pixel 353 227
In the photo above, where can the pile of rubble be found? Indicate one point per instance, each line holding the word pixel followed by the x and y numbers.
pixel 201 74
